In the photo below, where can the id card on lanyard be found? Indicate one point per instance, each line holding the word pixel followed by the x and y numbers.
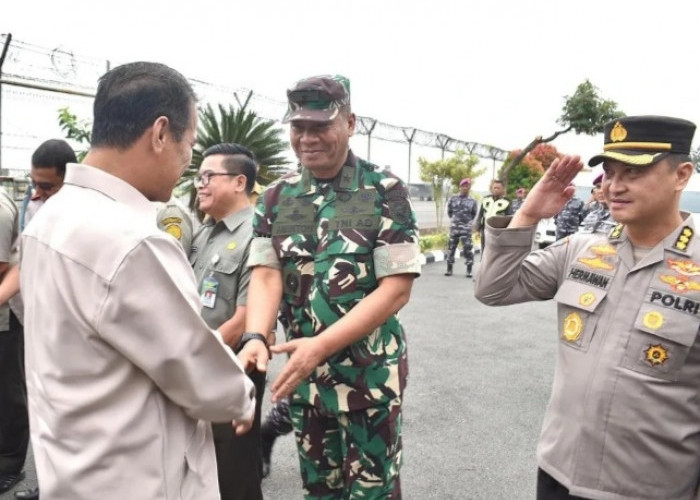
pixel 210 287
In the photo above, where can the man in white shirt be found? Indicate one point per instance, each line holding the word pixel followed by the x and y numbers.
pixel 123 368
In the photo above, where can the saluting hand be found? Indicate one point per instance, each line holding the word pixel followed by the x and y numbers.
pixel 306 355
pixel 550 194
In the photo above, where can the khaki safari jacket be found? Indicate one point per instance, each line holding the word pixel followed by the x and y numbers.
pixel 623 421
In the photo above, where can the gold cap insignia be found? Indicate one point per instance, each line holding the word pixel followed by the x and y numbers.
pixel 573 326
pixel 656 355
pixel 586 299
pixel 653 320
pixel 618 133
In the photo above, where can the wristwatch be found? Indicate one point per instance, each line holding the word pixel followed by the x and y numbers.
pixel 250 336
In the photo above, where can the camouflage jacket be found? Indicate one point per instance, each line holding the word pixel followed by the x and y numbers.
pixel 570 217
pixel 332 242
pixel 461 210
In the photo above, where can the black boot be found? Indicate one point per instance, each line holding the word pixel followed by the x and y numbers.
pixel 469 270
pixel 449 270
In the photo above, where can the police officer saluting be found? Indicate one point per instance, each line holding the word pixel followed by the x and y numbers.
pixel 623 421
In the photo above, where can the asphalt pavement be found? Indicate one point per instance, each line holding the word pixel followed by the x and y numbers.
pixel 479 382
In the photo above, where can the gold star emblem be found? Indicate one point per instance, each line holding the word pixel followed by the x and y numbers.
pixel 656 355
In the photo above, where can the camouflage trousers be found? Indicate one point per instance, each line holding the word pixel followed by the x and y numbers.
pixel 349 455
pixel 466 239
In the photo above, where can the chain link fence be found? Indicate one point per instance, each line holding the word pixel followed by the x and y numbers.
pixel 37 81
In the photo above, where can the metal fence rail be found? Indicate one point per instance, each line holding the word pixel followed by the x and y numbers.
pixel 35 76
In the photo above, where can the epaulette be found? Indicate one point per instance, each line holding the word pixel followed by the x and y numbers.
pixel 683 238
pixel 616 232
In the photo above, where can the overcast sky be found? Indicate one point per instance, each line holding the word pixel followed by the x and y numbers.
pixel 494 71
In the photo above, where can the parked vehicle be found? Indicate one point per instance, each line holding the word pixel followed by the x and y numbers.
pixel 421 191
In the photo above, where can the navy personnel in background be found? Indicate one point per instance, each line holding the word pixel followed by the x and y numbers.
pixel 597 213
pixel 219 254
pixel 518 201
pixel 494 204
pixel 623 420
pixel 568 220
pixel 123 374
pixel 461 209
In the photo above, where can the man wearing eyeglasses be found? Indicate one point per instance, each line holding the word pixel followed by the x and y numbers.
pixel 218 256
pixel 336 242
pixel 48 169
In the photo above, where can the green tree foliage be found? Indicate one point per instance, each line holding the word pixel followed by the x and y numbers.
pixel 242 126
pixel 584 112
pixel 445 174
pixel 75 129
pixel 532 166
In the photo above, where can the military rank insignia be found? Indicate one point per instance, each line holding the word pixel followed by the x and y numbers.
pixel 616 232
pixel 683 238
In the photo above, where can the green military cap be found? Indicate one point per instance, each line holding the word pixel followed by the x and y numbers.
pixel 317 98
pixel 644 140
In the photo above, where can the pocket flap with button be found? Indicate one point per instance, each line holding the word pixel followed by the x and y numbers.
pixel 226 266
pixel 580 295
pixel 676 326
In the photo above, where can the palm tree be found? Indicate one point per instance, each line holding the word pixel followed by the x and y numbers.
pixel 242 126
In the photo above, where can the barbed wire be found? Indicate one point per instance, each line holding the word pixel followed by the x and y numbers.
pixel 39 73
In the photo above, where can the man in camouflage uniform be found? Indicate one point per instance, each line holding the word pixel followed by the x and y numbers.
pixel 337 242
pixel 623 420
pixel 597 214
pixel 461 210
pixel 570 217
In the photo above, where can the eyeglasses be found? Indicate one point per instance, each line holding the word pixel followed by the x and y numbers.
pixel 44 186
pixel 205 178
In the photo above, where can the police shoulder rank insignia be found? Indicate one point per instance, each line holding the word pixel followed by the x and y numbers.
pixel 656 355
pixel 653 320
pixel 618 133
pixel 616 232
pixel 683 238
pixel 573 326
